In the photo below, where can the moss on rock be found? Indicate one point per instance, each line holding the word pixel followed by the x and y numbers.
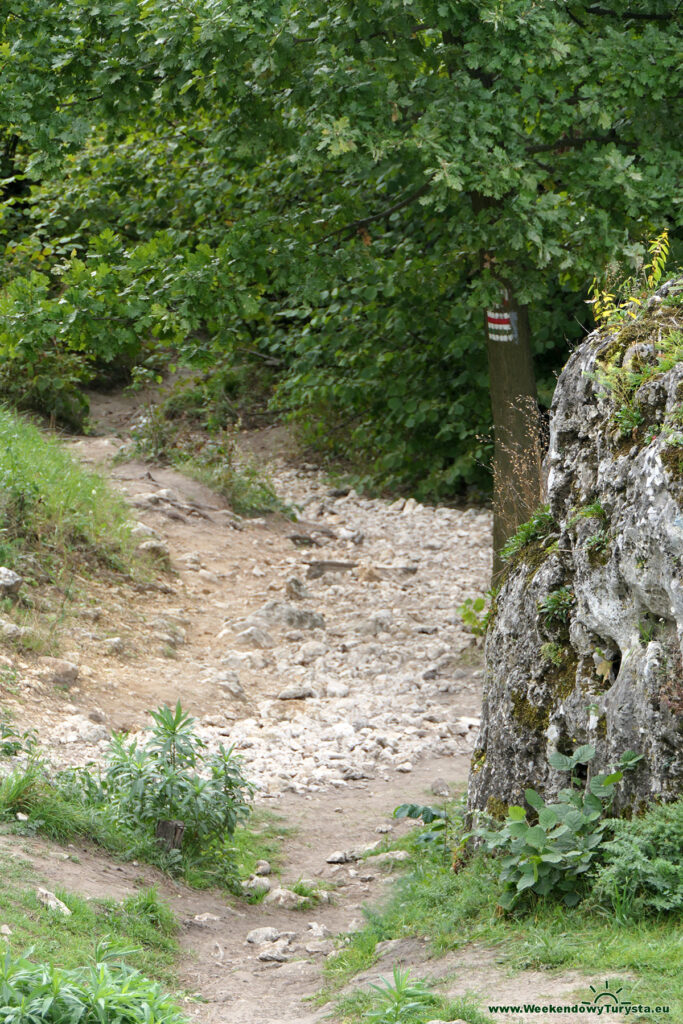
pixel 497 808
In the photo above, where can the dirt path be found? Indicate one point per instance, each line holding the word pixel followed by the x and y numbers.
pixel 329 652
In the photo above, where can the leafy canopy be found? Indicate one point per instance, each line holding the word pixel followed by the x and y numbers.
pixel 337 188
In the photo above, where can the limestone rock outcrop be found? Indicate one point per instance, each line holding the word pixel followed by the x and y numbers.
pixel 586 634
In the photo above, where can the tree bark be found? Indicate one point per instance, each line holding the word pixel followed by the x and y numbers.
pixel 170 834
pixel 517 457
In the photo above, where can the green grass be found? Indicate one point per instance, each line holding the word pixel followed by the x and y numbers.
pixel 211 457
pixel 355 1007
pixel 57 811
pixel 456 909
pixel 53 509
pixel 142 924
pixel 243 484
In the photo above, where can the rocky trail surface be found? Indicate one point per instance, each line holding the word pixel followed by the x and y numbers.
pixel 327 650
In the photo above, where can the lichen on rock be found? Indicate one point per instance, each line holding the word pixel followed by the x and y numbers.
pixel 586 643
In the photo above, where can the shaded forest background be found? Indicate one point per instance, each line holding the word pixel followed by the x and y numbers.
pixel 313 207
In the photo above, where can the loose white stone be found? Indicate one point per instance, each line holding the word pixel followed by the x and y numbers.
pixel 49 900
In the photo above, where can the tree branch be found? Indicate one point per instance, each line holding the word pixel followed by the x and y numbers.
pixel 363 222
pixel 605 12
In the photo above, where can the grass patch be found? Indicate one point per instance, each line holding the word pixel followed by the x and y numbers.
pixel 142 926
pixel 456 909
pixel 364 1005
pixel 242 483
pixel 53 509
pixel 261 841
pixel 211 457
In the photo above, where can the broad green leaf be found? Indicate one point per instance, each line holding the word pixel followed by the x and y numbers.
pixel 534 799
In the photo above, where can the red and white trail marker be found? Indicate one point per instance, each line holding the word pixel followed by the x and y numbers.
pixel 502 323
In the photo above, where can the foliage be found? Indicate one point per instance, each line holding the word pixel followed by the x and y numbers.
pixel 169 777
pixel 641 871
pixel 610 308
pixel 553 856
pixel 621 381
pixel 397 1001
pixel 52 507
pixel 438 820
pixel 599 541
pixel 294 186
pixel 470 611
pixel 100 993
pixel 538 527
pixel 13 742
pixel 556 606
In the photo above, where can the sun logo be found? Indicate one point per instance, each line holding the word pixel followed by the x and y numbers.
pixel 606 996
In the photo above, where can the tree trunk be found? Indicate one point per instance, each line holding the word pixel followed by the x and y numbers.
pixel 170 834
pixel 517 457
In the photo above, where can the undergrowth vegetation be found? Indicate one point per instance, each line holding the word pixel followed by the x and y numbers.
pixel 52 509
pixel 167 801
pixel 626 925
pixel 141 928
pixel 103 991
pixel 90 966
pixel 209 455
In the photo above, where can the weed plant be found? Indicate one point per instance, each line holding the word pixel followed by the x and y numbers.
pixel 170 777
pixel 102 992
pixel 552 857
pixel 642 873
pixel 456 904
pixel 538 527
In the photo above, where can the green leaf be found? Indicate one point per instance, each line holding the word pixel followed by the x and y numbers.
pixel 583 754
pixel 536 837
pixel 526 881
pixel 547 818
pixel 534 799
pixel 516 813
pixel 560 762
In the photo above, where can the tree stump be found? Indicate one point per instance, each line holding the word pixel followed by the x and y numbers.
pixel 170 834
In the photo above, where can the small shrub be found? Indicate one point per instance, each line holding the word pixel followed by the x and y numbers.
pixel 171 777
pixel 553 653
pixel 440 828
pixel 642 870
pixel 598 542
pixel 553 856
pixel 101 993
pixel 628 418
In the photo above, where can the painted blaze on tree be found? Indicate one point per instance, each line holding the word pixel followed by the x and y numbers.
pixel 463 146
